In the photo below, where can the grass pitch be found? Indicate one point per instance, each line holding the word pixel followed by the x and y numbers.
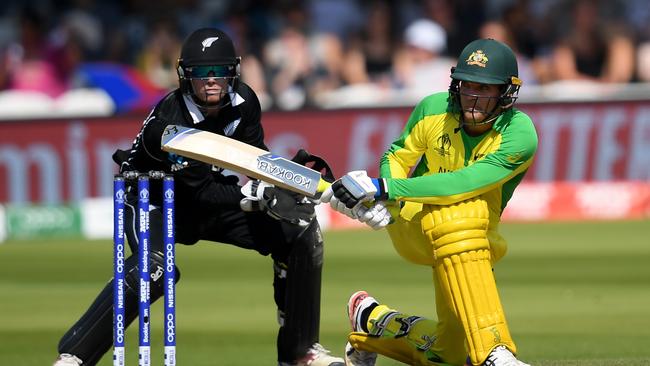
pixel 574 294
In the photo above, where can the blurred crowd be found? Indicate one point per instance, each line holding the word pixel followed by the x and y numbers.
pixel 296 53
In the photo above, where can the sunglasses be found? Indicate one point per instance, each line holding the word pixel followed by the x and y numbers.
pixel 210 71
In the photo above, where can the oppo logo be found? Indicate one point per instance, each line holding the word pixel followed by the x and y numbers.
pixel 171 328
pixel 119 258
pixel 119 328
pixel 169 255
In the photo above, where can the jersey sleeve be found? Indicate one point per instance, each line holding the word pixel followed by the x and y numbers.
pixel 407 150
pixel 513 157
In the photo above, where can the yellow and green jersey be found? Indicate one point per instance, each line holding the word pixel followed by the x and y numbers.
pixel 445 165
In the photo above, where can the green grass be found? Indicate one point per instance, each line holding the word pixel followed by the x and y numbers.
pixel 574 294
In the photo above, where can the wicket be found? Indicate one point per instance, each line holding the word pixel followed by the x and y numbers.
pixel 119 198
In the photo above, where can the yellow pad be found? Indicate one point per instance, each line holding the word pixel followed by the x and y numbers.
pixel 402 337
pixel 462 263
pixel 397 349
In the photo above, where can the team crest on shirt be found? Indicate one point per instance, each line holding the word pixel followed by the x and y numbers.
pixel 444 144
pixel 477 58
pixel 514 158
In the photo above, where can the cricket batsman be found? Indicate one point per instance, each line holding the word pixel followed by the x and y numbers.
pixel 443 185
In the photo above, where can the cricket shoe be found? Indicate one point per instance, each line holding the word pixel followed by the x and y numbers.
pixel 317 355
pixel 359 301
pixel 66 359
pixel 501 356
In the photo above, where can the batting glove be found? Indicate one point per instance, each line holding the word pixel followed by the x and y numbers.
pixel 354 188
pixel 376 216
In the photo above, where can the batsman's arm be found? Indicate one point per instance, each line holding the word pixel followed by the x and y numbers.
pixel 511 159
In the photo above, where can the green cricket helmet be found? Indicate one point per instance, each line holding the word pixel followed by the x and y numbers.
pixel 487 61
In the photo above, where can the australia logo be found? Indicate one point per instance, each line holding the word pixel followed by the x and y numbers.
pixel 477 58
pixel 444 144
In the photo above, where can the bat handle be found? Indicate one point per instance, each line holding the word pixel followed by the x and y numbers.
pixel 322 185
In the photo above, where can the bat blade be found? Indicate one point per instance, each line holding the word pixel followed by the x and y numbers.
pixel 237 156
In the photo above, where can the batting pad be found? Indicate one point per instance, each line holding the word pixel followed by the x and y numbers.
pixel 462 263
pixel 398 349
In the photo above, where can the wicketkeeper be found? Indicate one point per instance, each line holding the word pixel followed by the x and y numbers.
pixel 443 185
pixel 213 206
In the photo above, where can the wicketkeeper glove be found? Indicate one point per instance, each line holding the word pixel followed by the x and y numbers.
pixel 354 188
pixel 279 204
pixel 253 192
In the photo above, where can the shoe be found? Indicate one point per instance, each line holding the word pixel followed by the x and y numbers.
pixel 317 355
pixel 359 301
pixel 359 358
pixel 501 356
pixel 66 359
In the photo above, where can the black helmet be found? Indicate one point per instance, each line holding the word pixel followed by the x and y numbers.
pixel 487 61
pixel 207 52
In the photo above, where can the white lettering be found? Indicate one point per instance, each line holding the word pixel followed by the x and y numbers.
pixel 77 158
pixel 581 124
pixel 145 256
pixel 609 147
pixel 119 328
pixel 171 298
pixel 145 328
pixel 284 174
pixel 549 123
pixel 144 290
pixel 169 257
pixel 18 162
pixel 120 294
pixel 119 258
pixel 171 328
pixel 363 148
pixel 170 223
pixel 638 163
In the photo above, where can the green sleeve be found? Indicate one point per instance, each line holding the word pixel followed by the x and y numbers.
pixel 512 158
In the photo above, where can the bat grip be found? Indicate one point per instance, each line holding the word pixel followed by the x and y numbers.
pixel 322 185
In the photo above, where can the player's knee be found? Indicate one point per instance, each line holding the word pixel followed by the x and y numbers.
pixel 310 242
pixel 156 272
pixel 457 228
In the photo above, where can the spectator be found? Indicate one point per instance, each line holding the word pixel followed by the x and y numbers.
pixel 369 55
pixel 419 65
pixel 530 70
pixel 593 50
pixel 157 60
pixel 27 64
pixel 460 19
pixel 327 54
pixel 340 18
pixel 288 60
pixel 638 15
pixel 249 24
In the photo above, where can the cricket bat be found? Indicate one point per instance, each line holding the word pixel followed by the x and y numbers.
pixel 239 157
